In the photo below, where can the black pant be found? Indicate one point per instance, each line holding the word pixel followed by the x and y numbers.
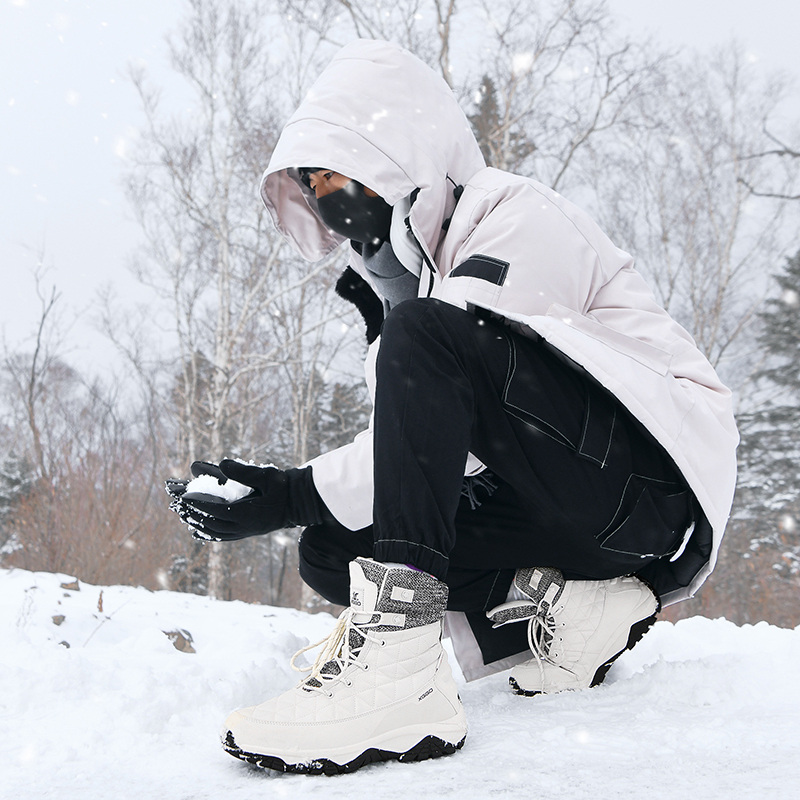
pixel 581 485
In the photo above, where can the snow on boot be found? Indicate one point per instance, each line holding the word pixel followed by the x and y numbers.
pixel 576 629
pixel 381 688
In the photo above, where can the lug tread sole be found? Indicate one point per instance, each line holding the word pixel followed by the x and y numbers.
pixel 637 631
pixel 428 747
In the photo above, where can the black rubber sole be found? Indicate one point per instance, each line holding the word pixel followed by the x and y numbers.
pixel 637 631
pixel 429 747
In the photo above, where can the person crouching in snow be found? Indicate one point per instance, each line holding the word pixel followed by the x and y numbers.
pixel 550 458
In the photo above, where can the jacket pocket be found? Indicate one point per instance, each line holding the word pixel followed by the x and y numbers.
pixel 534 394
pixel 651 519
pixel 599 422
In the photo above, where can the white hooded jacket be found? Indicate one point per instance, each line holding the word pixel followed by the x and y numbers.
pixel 513 247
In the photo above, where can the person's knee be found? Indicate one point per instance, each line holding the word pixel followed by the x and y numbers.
pixel 407 316
pixel 422 316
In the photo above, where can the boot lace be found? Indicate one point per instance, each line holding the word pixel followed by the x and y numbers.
pixel 541 635
pixel 340 650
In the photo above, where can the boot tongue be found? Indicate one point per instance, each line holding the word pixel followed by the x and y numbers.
pixel 544 585
pixel 363 594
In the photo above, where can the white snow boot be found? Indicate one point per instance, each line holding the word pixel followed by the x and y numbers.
pixel 576 629
pixel 381 688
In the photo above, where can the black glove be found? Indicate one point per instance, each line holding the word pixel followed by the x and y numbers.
pixel 279 499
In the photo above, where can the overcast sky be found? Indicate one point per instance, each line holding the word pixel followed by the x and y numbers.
pixel 67 117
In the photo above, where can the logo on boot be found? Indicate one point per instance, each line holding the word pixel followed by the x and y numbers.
pixel 355 598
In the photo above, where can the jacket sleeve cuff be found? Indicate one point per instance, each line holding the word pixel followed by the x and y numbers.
pixel 305 506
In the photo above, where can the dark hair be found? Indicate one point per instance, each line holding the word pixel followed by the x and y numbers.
pixel 306 173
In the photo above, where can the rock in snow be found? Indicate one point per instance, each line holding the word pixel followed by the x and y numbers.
pixel 104 706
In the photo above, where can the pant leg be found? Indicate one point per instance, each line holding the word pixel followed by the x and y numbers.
pixel 575 462
pixel 326 550
pixel 498 533
pixel 582 486
pixel 493 540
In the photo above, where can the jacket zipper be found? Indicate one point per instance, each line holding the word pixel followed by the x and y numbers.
pixel 425 257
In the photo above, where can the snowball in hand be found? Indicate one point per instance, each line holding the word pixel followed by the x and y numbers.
pixel 208 485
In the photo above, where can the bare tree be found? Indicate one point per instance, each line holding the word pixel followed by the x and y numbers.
pixel 242 309
pixel 563 80
pixel 783 159
pixel 675 194
pixel 542 80
pixel 423 26
pixel 86 506
pixel 28 375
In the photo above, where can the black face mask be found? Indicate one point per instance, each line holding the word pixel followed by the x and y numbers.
pixel 350 212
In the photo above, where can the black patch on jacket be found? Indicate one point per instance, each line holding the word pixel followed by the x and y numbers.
pixel 353 288
pixel 487 268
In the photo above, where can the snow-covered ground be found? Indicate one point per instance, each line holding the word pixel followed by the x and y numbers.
pixel 699 709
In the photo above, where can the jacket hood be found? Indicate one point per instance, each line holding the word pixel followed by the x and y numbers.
pixel 380 116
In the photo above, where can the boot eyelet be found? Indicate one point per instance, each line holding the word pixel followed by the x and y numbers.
pixel 383 643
